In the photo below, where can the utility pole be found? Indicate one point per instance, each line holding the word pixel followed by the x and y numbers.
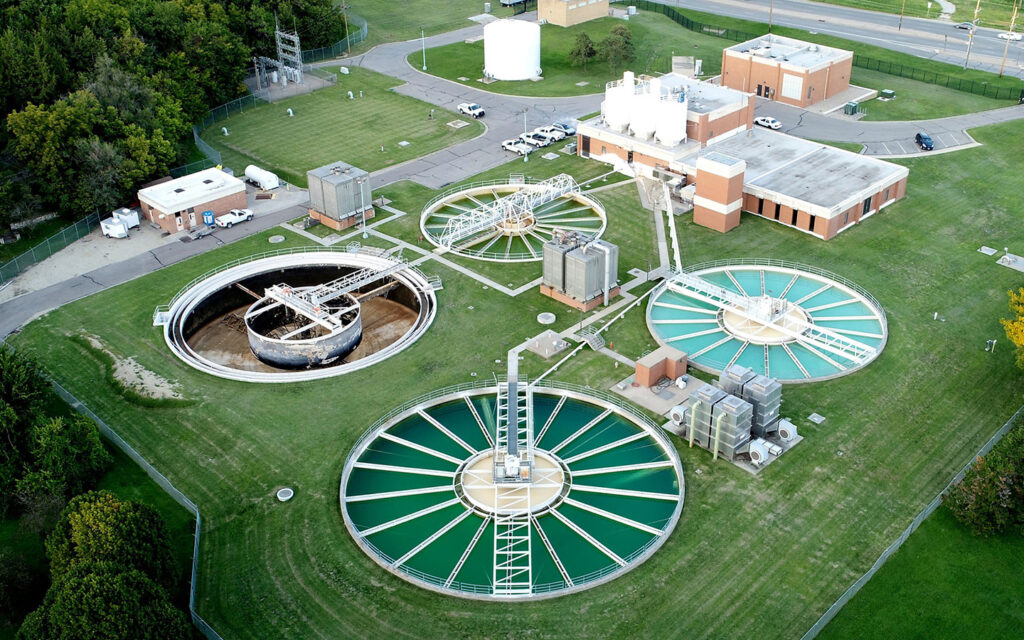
pixel 1006 50
pixel 771 9
pixel 344 14
pixel 903 8
pixel 970 36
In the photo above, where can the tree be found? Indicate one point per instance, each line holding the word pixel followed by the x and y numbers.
pixel 990 498
pixel 103 601
pixel 616 50
pixel 23 389
pixel 67 458
pixel 582 51
pixel 99 527
pixel 1015 326
pixel 623 32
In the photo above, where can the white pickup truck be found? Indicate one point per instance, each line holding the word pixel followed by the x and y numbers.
pixel 471 109
pixel 233 217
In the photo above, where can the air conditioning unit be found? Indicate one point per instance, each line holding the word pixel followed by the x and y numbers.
pixel 787 430
pixel 758 452
pixel 774 449
pixel 678 414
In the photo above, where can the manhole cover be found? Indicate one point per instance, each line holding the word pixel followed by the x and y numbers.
pixel 284 495
pixel 546 318
pixel 276 239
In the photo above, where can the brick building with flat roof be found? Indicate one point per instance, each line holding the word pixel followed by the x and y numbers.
pixel 567 13
pixel 179 204
pixel 787 70
pixel 700 139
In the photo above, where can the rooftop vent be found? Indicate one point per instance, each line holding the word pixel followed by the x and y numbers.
pixel 179 190
pixel 207 181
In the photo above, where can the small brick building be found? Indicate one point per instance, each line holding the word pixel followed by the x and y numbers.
pixel 787 70
pixel 566 13
pixel 178 205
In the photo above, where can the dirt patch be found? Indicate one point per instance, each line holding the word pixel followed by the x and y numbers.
pixel 137 378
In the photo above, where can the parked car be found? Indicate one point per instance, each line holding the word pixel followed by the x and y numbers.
pixel 234 217
pixel 515 145
pixel 765 121
pixel 471 109
pixel 1009 36
pixel 924 141
pixel 964 25
pixel 535 139
pixel 565 127
pixel 555 133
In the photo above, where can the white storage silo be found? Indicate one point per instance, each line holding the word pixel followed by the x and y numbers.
pixel 618 101
pixel 671 120
pixel 512 50
pixel 644 111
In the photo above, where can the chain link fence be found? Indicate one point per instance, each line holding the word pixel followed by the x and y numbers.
pixel 831 612
pixel 341 46
pixel 48 247
pixel 1002 92
pixel 165 484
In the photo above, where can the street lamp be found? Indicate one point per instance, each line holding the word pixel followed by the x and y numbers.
pixel 423 43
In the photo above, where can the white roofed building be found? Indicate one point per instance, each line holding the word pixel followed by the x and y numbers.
pixel 178 205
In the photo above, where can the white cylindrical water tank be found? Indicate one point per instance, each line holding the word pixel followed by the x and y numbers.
pixel 512 50
pixel 643 114
pixel 265 179
pixel 617 99
pixel 671 128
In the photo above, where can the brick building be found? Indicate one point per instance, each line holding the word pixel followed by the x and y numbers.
pixel 178 205
pixel 787 70
pixel 566 13
pixel 700 139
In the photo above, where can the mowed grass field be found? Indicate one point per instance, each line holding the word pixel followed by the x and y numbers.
pixel 917 100
pixel 944 582
pixel 751 557
pixel 655 38
pixel 328 126
pixel 395 22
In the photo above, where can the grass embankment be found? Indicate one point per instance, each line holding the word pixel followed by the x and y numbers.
pixel 796 535
pixel 389 22
pixel 655 37
pixel 944 582
pixel 917 100
pixel 328 126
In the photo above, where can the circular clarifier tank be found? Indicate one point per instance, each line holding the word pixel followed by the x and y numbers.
pixel 298 315
pixel 521 234
pixel 823 326
pixel 418 493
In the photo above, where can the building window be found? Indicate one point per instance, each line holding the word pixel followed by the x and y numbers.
pixel 792 218
pixel 811 227
pixel 760 206
pixel 887 194
pixel 191 209
pixel 867 205
pixel 846 218
pixel 604 149
pixel 778 210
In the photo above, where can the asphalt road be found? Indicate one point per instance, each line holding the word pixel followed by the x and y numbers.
pixel 927 38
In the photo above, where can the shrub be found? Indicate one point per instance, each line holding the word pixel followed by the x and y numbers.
pixel 990 498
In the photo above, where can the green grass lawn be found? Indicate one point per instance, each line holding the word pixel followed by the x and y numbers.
pixel 944 582
pixel 911 8
pixel 389 22
pixel 655 37
pixel 796 536
pixel 917 100
pixel 994 13
pixel 327 127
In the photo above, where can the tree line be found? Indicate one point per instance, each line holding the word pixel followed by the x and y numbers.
pixel 111 567
pixel 98 96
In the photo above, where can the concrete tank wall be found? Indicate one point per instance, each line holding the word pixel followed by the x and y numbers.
pixel 302 354
pixel 512 50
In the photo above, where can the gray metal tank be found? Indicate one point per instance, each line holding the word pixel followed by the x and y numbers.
pixel 281 338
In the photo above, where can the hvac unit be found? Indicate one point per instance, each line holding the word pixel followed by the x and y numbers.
pixel 758 452
pixel 787 430
pixel 678 414
pixel 774 449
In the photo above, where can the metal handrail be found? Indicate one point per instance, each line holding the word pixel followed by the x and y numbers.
pixel 474 185
pixel 771 262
